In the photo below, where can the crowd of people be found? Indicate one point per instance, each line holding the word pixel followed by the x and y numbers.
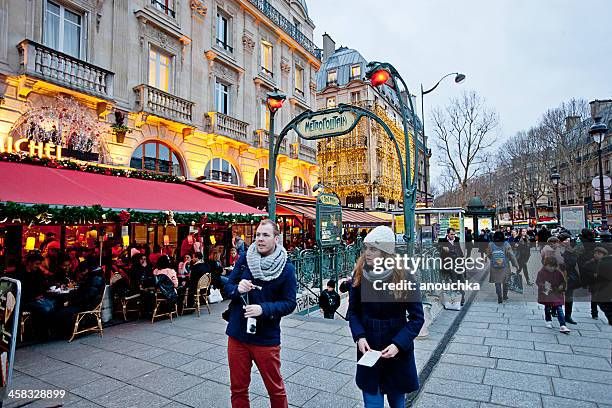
pixel 56 285
pixel 569 266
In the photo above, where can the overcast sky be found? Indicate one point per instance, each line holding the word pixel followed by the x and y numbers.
pixel 523 56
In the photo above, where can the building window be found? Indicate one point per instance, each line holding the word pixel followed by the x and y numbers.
pixel 261 179
pixel 63 29
pixel 355 97
pixel 222 98
pixel 157 157
pixel 299 186
pixel 160 69
pixel 607 167
pixel 299 80
pixel 355 72
pixel 298 25
pixel 331 102
pixel 264 120
pixel 332 77
pixel 266 58
pixel 219 169
pixel 223 31
pixel 165 6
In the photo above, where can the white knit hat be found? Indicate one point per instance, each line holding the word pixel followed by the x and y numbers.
pixel 381 237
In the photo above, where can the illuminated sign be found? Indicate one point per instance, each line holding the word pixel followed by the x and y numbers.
pixel 40 149
pixel 324 124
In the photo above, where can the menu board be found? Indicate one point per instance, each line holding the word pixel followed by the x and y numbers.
pixel 329 220
pixel 573 218
pixel 10 297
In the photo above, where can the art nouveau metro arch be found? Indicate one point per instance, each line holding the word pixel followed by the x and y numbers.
pixel 337 122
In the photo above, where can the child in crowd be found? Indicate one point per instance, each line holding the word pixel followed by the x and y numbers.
pixel 551 292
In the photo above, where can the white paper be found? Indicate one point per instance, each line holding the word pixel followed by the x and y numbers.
pixel 369 358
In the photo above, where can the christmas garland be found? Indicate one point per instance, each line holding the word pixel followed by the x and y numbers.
pixel 89 168
pixel 43 214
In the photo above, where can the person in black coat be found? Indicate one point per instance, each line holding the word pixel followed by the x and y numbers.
pixel 329 300
pixel 377 320
pixel 450 251
pixel 523 253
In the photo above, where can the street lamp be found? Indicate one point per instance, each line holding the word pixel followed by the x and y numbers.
pixel 380 73
pixel 458 79
pixel 555 178
pixel 274 102
pixel 598 131
pixel 511 197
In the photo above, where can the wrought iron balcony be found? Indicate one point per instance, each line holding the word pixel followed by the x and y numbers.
pixel 225 125
pixel 261 140
pixel 162 104
pixel 61 69
pixel 277 18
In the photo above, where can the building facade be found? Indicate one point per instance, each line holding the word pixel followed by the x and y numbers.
pixel 362 167
pixel 171 86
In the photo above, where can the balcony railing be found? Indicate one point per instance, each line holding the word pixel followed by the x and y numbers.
pixel 261 140
pixel 286 25
pixel 42 62
pixel 161 6
pixel 162 104
pixel 306 153
pixel 225 125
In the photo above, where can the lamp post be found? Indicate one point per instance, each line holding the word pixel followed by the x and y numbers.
pixel 274 102
pixel 381 73
pixel 555 177
pixel 511 197
pixel 458 79
pixel 598 131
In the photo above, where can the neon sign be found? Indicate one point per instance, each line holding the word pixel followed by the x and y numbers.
pixel 40 149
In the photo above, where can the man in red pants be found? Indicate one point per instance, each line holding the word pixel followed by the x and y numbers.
pixel 262 287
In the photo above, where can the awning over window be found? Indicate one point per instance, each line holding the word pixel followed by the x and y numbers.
pixel 356 218
pixel 31 184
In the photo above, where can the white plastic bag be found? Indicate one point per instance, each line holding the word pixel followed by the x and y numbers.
pixel 215 296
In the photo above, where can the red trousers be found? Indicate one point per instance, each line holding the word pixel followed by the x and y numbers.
pixel 240 357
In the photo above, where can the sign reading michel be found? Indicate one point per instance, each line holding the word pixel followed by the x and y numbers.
pixel 322 124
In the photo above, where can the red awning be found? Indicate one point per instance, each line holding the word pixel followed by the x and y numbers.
pixel 348 216
pixel 31 184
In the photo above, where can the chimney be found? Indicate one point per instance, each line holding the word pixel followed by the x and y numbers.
pixel 571 122
pixel 329 47
pixel 599 106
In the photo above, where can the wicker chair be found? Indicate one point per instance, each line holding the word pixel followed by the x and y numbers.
pixel 124 303
pixel 202 290
pixel 96 312
pixel 160 300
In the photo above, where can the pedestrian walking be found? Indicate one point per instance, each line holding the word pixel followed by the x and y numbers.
pixel 262 288
pixel 469 242
pixel 551 288
pixel 450 251
pixel 523 253
pixel 572 277
pixel 329 300
pixel 500 257
pixel 378 322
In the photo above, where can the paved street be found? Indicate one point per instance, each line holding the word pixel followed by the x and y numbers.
pixel 500 355
pixel 184 363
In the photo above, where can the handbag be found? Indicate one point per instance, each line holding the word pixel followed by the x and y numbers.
pixel 215 296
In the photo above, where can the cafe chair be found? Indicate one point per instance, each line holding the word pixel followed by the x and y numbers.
pixel 202 290
pixel 96 313
pixel 25 317
pixel 161 300
pixel 125 301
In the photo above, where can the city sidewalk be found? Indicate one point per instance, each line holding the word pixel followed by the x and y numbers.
pixel 504 356
pixel 184 363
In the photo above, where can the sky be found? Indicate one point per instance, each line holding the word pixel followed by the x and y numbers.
pixel 523 56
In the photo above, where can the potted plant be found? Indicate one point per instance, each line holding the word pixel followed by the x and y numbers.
pixel 119 128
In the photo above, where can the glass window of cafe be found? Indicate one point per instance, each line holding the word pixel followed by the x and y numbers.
pixel 157 157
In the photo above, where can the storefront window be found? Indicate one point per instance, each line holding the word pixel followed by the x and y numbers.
pixel 157 157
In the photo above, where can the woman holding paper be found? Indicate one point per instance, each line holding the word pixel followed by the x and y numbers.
pixel 379 325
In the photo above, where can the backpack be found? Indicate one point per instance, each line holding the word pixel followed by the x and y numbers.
pixel 498 257
pixel 166 287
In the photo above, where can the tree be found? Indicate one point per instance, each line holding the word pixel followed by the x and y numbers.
pixel 464 133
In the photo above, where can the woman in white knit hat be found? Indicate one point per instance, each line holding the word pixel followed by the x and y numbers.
pixel 378 322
